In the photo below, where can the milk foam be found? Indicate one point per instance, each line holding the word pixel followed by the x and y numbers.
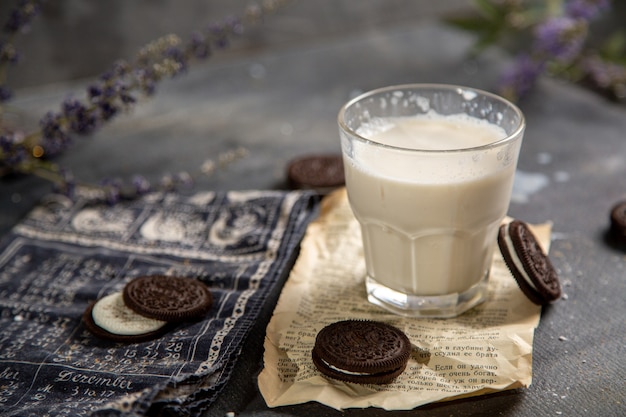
pixel 432 131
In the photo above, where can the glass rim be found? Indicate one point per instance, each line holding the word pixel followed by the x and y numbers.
pixel 517 132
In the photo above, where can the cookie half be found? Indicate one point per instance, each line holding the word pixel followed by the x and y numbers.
pixel 170 299
pixel 530 266
pixel 618 221
pixel 361 351
pixel 321 173
pixel 110 318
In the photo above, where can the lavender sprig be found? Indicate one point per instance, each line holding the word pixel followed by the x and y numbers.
pixel 21 17
pixel 113 93
pixel 549 38
pixel 558 44
pixel 19 21
pixel 113 190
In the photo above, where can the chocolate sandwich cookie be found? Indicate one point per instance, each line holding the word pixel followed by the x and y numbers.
pixel 171 299
pixel 530 266
pixel 361 351
pixel 110 318
pixel 618 221
pixel 321 173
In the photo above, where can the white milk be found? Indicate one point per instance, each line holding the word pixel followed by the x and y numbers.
pixel 429 222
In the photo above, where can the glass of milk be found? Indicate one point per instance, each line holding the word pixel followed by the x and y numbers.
pixel 429 173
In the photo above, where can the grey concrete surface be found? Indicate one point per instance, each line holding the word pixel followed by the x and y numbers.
pixel 280 101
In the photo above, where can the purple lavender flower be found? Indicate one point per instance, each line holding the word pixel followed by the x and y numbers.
pixel 112 188
pixel 66 184
pixel 54 136
pixel 120 68
pixel 109 97
pixel 219 33
pixel 586 9
pixel 126 97
pixel 560 38
pixel 6 143
pixel 609 77
pixel 21 16
pixel 199 46
pixel 81 119
pixel 235 25
pixel 12 151
pixel 141 184
pixel 8 53
pixel 146 80
pixel 119 93
pixel 605 73
pixel 520 77
pixel 177 57
pixel 94 91
pixel 107 110
pixel 5 93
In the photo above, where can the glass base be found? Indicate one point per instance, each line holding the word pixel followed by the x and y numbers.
pixel 436 306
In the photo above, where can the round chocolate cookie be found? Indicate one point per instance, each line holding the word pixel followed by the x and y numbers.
pixel 322 173
pixel 171 299
pixel 109 318
pixel 618 221
pixel 530 266
pixel 361 351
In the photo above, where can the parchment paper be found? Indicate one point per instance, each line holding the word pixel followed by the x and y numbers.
pixel 489 348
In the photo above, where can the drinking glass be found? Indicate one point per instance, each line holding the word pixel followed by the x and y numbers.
pixel 429 174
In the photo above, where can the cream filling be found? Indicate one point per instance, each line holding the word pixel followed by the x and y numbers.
pixel 343 371
pixel 111 314
pixel 516 261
